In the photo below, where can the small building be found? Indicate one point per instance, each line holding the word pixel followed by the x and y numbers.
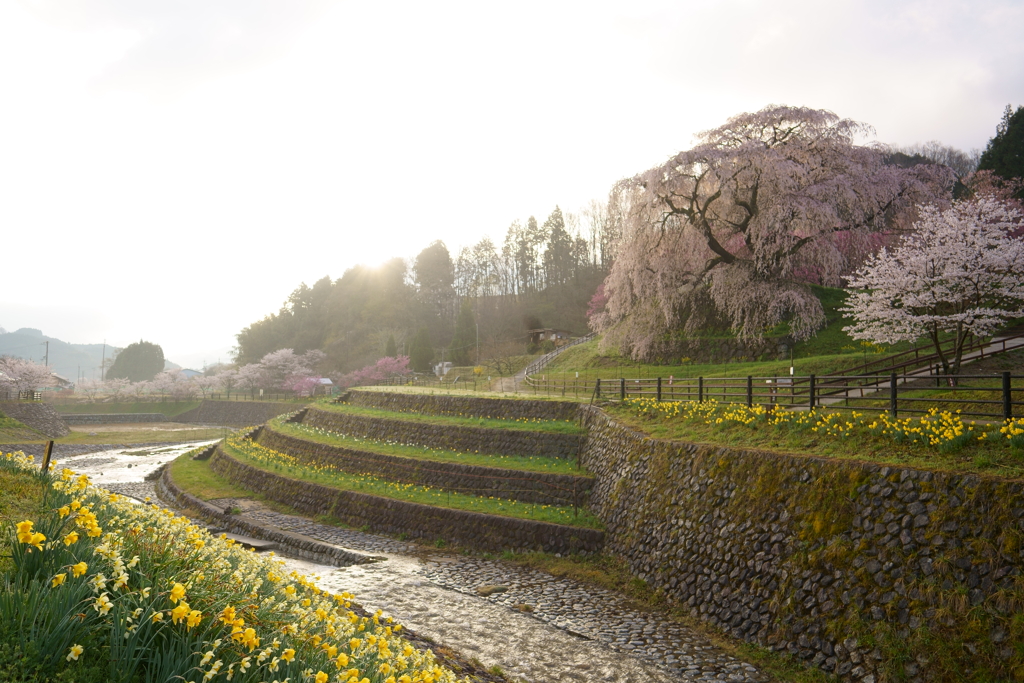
pixel 188 373
pixel 441 369
pixel 558 337
pixel 324 386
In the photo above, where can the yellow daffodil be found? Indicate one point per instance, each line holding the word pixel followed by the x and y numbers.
pixel 177 593
pixel 74 652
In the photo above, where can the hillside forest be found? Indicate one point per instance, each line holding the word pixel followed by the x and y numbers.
pixel 543 275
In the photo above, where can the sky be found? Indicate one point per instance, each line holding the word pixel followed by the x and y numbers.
pixel 171 171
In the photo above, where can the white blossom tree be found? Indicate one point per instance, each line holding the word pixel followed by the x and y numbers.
pixel 960 272
pixel 19 374
pixel 206 384
pixel 251 378
pixel 739 223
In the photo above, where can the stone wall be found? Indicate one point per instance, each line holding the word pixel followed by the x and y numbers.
pixel 236 413
pixel 450 437
pixel 469 406
pixel 384 515
pixel 528 487
pixel 292 544
pixel 111 418
pixel 39 416
pixel 872 573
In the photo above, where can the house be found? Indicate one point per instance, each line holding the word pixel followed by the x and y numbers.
pixel 189 374
pixel 542 334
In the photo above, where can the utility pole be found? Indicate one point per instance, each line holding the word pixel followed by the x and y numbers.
pixel 103 363
pixel 478 342
pixel 46 358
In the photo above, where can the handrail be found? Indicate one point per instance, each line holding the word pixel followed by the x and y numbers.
pixel 542 362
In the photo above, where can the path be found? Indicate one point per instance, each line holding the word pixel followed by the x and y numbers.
pixel 573 632
pixel 515 383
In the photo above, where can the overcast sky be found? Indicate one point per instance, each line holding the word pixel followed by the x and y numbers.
pixel 173 170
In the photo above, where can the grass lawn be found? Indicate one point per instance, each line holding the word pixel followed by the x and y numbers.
pixel 146 432
pixel 196 477
pixel 266 459
pixel 979 457
pixel 526 463
pixel 524 424
pixel 440 391
pixel 168 408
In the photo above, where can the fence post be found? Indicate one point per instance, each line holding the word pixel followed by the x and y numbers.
pixel 47 455
pixel 750 391
pixel 597 388
pixel 622 388
pixel 810 385
pixel 893 396
pixel 1007 401
pixel 700 389
pixel 659 390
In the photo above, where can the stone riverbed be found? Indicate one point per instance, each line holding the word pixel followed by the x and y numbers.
pixel 534 626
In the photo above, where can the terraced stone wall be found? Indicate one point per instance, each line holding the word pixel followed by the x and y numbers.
pixel 449 437
pixel 529 487
pixel 438 404
pixel 872 573
pixel 383 515
pixel 39 416
pixel 236 413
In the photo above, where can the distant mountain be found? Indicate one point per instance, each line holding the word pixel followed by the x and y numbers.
pixel 66 359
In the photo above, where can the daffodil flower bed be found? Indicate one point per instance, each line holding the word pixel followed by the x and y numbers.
pixel 528 424
pixel 531 463
pixel 944 432
pixel 252 453
pixel 145 595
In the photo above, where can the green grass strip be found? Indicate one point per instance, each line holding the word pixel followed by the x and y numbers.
pixel 520 424
pixel 270 460
pixel 531 463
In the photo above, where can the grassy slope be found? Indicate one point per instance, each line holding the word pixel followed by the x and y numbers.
pixel 550 426
pixel 20 498
pixel 831 349
pixel 13 431
pixel 527 463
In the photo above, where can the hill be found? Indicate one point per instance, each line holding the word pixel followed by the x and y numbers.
pixel 66 359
